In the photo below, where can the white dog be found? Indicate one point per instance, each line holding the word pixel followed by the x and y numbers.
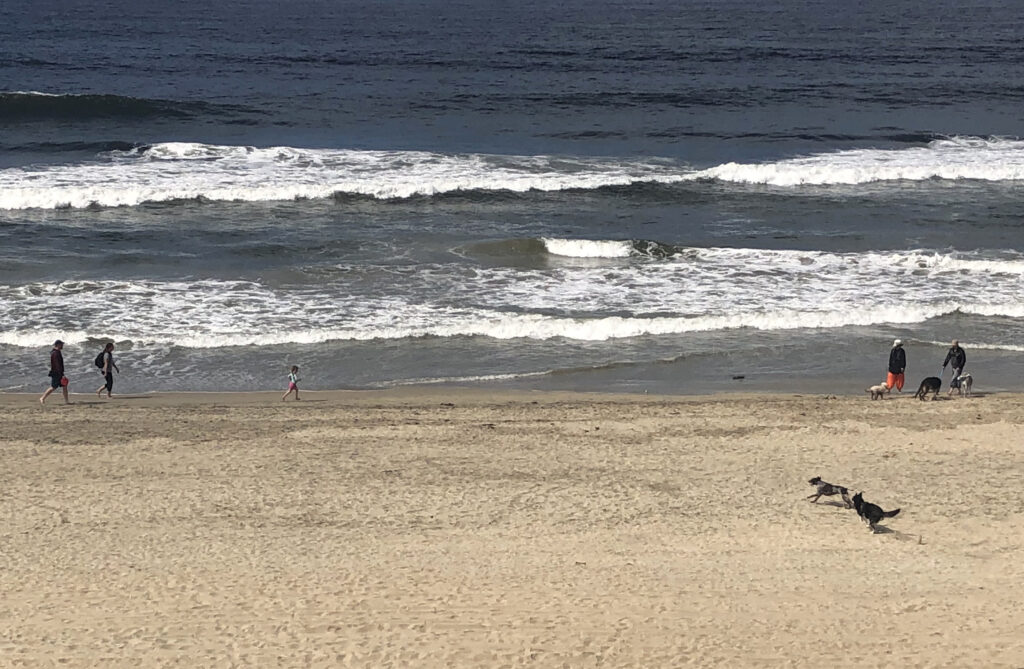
pixel 962 384
pixel 878 392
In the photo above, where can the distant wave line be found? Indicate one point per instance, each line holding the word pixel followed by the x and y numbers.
pixel 34 106
pixel 189 171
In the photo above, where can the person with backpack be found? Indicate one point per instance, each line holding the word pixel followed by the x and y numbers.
pixel 105 361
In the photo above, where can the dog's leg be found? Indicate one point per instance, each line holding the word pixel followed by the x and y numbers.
pixel 815 497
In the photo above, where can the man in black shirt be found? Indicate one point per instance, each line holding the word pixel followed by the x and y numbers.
pixel 958 358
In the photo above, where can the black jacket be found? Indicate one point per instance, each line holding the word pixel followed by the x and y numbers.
pixel 897 360
pixel 957 356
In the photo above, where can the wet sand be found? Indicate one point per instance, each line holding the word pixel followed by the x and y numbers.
pixel 485 529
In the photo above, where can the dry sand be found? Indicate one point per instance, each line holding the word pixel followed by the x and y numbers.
pixel 474 529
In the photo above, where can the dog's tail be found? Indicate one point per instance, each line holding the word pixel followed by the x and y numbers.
pixel 890 514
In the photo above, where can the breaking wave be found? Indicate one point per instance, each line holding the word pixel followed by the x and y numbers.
pixel 190 171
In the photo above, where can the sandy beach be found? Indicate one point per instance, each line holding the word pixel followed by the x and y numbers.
pixel 470 528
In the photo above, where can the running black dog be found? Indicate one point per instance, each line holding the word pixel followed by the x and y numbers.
pixel 871 513
pixel 829 489
pixel 931 384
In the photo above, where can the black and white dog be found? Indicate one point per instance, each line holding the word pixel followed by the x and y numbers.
pixel 962 384
pixel 829 489
pixel 871 513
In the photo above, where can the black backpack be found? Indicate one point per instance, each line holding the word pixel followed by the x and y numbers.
pixel 99 359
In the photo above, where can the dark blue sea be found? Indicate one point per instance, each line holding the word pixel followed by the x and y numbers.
pixel 678 197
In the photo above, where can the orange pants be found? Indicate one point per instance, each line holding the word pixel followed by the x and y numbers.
pixel 894 381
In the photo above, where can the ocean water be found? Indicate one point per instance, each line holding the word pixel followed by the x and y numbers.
pixel 655 196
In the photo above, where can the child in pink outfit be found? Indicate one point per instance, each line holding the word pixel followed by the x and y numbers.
pixel 293 383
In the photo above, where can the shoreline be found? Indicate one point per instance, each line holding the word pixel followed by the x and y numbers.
pixel 469 395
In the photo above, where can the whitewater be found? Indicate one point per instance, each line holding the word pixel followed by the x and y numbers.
pixel 192 171
pixel 630 295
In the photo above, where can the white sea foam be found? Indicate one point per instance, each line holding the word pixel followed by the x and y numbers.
pixel 35 94
pixel 700 289
pixel 181 171
pixel 587 248
pixel 982 346
pixel 476 378
pixel 955 158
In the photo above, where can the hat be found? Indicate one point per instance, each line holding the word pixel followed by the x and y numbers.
pixel 897 342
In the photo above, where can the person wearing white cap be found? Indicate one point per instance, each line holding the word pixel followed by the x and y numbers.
pixel 897 365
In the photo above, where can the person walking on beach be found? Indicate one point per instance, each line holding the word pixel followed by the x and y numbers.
pixel 57 378
pixel 958 358
pixel 105 361
pixel 293 383
pixel 897 366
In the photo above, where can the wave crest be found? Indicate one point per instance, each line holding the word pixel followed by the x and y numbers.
pixel 976 158
pixel 193 171
pixel 20 106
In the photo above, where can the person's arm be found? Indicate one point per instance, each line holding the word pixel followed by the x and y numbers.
pixel 948 356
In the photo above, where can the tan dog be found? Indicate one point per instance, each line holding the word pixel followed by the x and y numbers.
pixel 878 392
